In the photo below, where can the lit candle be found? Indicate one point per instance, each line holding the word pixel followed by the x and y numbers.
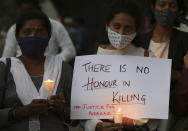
pixel 118 116
pixel 49 86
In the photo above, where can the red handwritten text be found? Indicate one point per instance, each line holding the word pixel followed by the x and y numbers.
pixel 99 113
pixel 91 84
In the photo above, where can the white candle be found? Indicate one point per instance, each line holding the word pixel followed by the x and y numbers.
pixel 49 86
pixel 118 116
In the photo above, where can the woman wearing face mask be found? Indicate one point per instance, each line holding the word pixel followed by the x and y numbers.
pixel 23 98
pixel 167 42
pixel 122 22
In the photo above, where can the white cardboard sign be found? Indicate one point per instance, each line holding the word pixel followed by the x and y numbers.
pixel 104 83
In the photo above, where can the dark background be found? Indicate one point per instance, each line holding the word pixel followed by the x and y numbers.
pixel 92 11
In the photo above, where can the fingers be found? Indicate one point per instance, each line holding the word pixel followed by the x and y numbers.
pixel 57 102
pixel 111 120
pixel 41 106
pixel 38 106
pixel 108 126
pixel 39 101
pixel 38 109
pixel 113 128
pixel 146 53
pixel 112 125
pixel 31 109
pixel 59 97
pixel 128 121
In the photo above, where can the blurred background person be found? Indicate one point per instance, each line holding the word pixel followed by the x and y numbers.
pixel 82 38
pixel 68 22
pixel 165 41
pixel 60 43
pixel 8 9
pixel 79 34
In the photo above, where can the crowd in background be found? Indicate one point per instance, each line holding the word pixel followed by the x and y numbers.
pixel 36 47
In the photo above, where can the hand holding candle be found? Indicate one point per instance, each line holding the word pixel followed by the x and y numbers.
pixel 118 116
pixel 49 86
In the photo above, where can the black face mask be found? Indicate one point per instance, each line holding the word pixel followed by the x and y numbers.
pixel 32 46
pixel 165 17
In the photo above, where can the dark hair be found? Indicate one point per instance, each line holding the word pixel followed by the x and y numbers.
pixel 33 2
pixel 180 4
pixel 129 7
pixel 24 17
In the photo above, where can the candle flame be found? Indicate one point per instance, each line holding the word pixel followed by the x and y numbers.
pixel 49 80
pixel 119 110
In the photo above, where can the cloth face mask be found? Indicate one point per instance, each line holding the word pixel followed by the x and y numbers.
pixel 165 17
pixel 32 46
pixel 119 41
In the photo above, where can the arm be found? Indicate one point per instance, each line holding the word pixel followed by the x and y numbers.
pixel 64 42
pixel 10 43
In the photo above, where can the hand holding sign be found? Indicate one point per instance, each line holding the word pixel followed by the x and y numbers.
pixel 102 84
pixel 108 126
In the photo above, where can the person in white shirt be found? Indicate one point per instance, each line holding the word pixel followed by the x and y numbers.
pixel 60 43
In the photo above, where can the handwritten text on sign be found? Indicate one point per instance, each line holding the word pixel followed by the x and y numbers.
pixel 138 85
